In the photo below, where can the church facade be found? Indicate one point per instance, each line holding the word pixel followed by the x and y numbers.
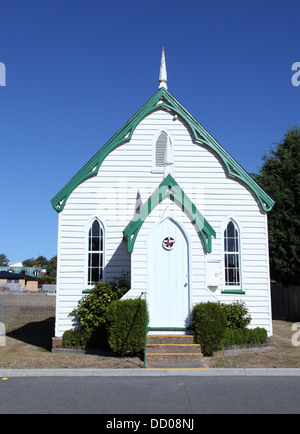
pixel 164 203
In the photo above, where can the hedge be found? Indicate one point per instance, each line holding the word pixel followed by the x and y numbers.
pixel 74 338
pixel 96 338
pixel 209 324
pixel 218 325
pixel 245 336
pixel 126 325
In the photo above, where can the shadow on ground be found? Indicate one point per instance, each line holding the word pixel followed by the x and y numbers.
pixel 37 333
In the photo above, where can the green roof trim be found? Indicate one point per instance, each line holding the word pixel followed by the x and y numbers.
pixel 169 188
pixel 162 99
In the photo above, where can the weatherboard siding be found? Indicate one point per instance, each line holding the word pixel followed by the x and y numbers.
pixel 111 197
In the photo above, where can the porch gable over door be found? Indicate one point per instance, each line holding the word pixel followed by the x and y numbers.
pixel 170 188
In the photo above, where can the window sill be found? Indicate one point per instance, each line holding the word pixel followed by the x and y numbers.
pixel 233 291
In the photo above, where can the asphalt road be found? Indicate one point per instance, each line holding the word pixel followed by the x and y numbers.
pixel 176 396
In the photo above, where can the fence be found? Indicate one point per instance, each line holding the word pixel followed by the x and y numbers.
pixel 49 288
pixel 14 317
pixel 285 302
pixel 16 287
pixel 12 287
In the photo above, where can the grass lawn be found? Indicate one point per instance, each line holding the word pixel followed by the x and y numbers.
pixel 29 347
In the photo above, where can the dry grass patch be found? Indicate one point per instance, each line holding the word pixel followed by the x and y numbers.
pixel 19 355
pixel 30 348
pixel 283 355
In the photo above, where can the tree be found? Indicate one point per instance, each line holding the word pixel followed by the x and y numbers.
pixel 42 261
pixel 3 259
pixel 29 262
pixel 51 267
pixel 279 176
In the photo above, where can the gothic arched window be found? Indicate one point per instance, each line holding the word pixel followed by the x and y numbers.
pixel 232 255
pixel 95 253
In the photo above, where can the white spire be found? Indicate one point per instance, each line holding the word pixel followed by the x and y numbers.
pixel 163 71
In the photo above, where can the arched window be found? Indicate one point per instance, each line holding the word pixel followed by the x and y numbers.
pixel 95 253
pixel 160 150
pixel 232 255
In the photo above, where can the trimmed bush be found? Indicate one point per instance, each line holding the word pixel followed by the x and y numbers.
pixel 98 339
pixel 258 335
pixel 209 324
pixel 214 330
pixel 244 336
pixel 126 324
pixel 236 315
pixel 74 338
pixel 83 339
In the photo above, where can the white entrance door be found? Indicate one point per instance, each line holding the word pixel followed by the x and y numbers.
pixel 168 277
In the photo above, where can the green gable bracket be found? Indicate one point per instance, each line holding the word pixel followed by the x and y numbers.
pixel 170 188
pixel 162 99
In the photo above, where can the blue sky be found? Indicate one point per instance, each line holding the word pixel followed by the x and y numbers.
pixel 76 71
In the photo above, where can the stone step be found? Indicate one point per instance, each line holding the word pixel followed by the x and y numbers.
pixel 173 351
pixel 171 360
pixel 173 348
pixel 170 339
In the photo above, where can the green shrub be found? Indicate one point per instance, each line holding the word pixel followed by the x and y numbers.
pixel 74 338
pixel 98 338
pixel 209 324
pixel 92 308
pixel 126 324
pixel 80 338
pixel 235 337
pixel 236 315
pixel 258 335
pixel 244 336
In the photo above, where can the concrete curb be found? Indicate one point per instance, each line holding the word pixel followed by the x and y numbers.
pixel 202 372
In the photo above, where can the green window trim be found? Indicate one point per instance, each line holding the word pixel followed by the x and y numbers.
pixel 169 188
pixel 162 99
pixel 232 291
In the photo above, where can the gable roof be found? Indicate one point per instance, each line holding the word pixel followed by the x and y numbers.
pixel 162 99
pixel 169 188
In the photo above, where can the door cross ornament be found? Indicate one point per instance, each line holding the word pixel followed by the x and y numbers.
pixel 168 243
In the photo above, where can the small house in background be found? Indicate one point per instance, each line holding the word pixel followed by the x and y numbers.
pixel 166 204
pixel 18 281
pixel 18 268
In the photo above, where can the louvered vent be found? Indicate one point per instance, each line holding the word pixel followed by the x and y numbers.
pixel 160 150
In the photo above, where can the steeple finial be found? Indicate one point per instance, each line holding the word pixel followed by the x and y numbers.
pixel 163 71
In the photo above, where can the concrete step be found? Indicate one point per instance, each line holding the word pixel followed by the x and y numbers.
pixel 173 351
pixel 171 359
pixel 170 339
pixel 173 348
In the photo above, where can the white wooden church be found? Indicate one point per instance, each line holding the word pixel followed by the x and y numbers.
pixel 163 202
